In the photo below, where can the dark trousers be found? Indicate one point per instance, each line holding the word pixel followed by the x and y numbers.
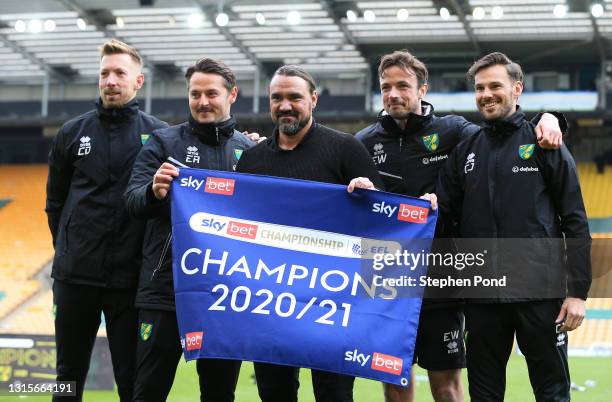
pixel 77 319
pixel 490 335
pixel 158 354
pixel 277 383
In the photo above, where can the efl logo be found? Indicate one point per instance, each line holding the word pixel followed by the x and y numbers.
pixel 411 213
pixel 193 340
pixel 387 363
pixel 217 185
pixel 242 230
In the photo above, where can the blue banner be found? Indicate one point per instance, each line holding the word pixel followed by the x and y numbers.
pixel 284 271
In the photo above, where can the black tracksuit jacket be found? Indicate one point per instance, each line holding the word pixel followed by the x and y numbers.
pixel 96 242
pixel 409 160
pixel 205 146
pixel 500 184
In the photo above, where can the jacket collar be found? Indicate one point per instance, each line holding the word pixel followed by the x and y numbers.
pixel 212 133
pixel 506 125
pixel 115 115
pixel 414 122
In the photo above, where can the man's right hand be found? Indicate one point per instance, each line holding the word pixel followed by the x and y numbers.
pixel 162 180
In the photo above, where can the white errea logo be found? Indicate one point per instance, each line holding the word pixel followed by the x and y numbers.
pixel 469 163
pixel 452 337
pixel 84 146
pixel 192 155
pixel 379 154
pixel 561 339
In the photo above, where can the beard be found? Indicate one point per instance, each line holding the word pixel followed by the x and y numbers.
pixel 505 107
pixel 291 127
pixel 404 112
pixel 117 102
pixel 502 113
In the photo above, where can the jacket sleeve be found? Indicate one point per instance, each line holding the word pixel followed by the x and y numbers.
pixel 449 191
pixel 58 182
pixel 464 128
pixel 140 200
pixel 564 188
pixel 563 125
pixel 357 162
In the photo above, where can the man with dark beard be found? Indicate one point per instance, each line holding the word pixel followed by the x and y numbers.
pixel 300 148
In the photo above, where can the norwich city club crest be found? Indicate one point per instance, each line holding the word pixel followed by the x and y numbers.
pixel 144 138
pixel 525 151
pixel 431 141
pixel 145 330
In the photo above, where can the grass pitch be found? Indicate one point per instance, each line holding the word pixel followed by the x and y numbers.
pixel 518 389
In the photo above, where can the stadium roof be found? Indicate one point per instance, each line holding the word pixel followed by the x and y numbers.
pixel 59 38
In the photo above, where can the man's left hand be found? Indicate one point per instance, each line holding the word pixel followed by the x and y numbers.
pixel 254 137
pixel 572 311
pixel 548 132
pixel 432 198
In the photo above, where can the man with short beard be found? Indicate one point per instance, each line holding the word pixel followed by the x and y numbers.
pixel 300 148
pixel 410 144
pixel 97 245
pixel 498 184
pixel 209 140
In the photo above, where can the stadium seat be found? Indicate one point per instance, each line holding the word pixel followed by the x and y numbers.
pixel 15 294
pixel 25 244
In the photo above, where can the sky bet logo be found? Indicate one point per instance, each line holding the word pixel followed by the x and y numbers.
pixel 380 362
pixel 212 185
pixel 234 228
pixel 388 364
pixel 240 229
pixel 407 213
pixel 213 224
pixel 216 185
pixel 383 208
pixel 193 340
pixel 412 213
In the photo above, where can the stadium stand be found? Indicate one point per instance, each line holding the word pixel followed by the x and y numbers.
pixel 15 294
pixel 26 303
pixel 35 317
pixel 597 190
pixel 25 244
pixel 595 335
